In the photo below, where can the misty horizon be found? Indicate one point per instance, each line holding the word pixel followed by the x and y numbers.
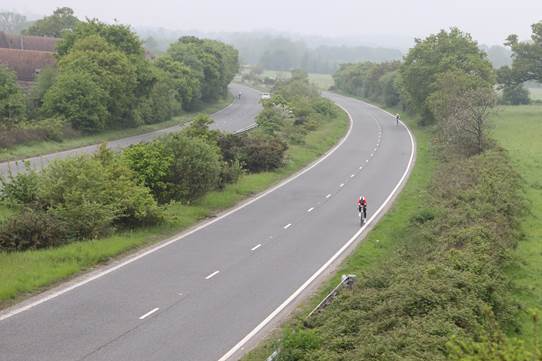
pixel 390 23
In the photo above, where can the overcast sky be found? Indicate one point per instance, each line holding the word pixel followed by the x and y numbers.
pixel 489 21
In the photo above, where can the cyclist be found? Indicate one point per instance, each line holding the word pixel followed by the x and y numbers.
pixel 362 207
pixel 397 119
pixel 239 95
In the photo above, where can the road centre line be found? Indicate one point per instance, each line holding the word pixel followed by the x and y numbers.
pixel 310 209
pixel 256 247
pixel 287 226
pixel 212 275
pixel 352 175
pixel 149 313
pixel 341 185
pixel 328 196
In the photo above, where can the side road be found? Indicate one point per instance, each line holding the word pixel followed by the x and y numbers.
pixel 237 116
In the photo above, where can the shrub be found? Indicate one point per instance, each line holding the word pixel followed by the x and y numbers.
pixel 195 168
pixel 32 229
pixel 20 189
pixel 230 173
pixel 263 152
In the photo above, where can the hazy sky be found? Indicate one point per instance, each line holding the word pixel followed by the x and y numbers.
pixel 489 21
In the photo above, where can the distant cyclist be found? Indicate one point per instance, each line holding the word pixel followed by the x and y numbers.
pixel 362 208
pixel 239 95
pixel 397 119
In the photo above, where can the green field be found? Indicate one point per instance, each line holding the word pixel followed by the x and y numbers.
pixel 519 130
pixel 23 273
pixel 380 243
pixel 45 147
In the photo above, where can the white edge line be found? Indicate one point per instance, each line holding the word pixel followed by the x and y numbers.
pixel 342 185
pixel 149 313
pixel 212 275
pixel 287 226
pixel 310 209
pixel 256 247
pixel 62 291
pixel 273 314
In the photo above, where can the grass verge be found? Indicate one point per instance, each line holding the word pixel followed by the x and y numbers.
pixel 518 129
pixel 24 273
pixel 44 147
pixel 382 240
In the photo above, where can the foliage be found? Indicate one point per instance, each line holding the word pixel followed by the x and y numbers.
pixel 370 80
pixel 183 81
pixel 12 101
pixel 262 152
pixel 527 63
pixel 438 54
pixel 43 130
pixel 44 81
pixel 74 199
pixel 515 95
pixel 61 22
pixel 462 108
pixel 95 87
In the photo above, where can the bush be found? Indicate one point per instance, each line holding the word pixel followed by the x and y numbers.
pixel 195 169
pixel 32 229
pixel 263 152
pixel 230 173
pixel 515 95
pixel 20 189
pixel 81 198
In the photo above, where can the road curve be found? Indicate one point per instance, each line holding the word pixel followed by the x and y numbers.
pixel 238 115
pixel 201 295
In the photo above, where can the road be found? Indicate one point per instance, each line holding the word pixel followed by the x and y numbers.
pixel 237 116
pixel 201 295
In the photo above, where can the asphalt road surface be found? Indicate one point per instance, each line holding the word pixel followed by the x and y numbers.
pixel 237 116
pixel 200 295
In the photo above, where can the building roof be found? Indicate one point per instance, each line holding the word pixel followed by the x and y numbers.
pixel 26 63
pixel 24 42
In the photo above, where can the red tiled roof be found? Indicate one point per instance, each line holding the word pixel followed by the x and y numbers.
pixel 26 63
pixel 24 42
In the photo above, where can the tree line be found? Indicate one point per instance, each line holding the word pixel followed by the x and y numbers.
pixel 103 80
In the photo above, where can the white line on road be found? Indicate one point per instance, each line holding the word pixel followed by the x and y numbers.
pixel 342 185
pixel 360 167
pixel 294 295
pixel 367 161
pixel 352 175
pixel 212 275
pixel 287 226
pixel 148 313
pixel 310 209
pixel 372 154
pixel 328 196
pixel 256 247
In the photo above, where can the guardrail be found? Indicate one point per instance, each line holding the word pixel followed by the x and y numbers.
pixel 346 281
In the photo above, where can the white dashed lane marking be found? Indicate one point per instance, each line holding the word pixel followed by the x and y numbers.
pixel 256 247
pixel 287 226
pixel 212 275
pixel 310 209
pixel 148 313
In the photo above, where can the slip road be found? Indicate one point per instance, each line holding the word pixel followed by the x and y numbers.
pixel 202 295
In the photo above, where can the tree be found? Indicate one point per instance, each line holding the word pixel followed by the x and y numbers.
pixel 515 95
pixel 11 22
pixel 54 25
pixel 527 58
pixel 117 35
pixel 45 80
pixel 12 101
pixel 437 54
pixel 112 83
pixel 462 108
pixel 185 82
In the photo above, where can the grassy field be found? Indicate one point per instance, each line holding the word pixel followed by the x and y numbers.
pixel 380 243
pixel 23 273
pixel 519 129
pixel 323 81
pixel 45 147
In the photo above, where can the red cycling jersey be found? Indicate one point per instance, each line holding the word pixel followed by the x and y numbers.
pixel 362 202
